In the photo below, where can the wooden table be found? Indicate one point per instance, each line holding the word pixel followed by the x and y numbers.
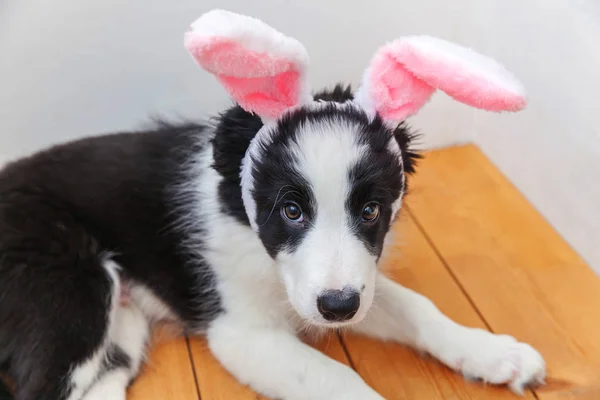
pixel 470 242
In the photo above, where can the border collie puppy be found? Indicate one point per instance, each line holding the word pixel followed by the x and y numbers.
pixel 246 230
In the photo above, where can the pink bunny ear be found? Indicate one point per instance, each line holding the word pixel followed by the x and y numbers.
pixel 263 70
pixel 404 74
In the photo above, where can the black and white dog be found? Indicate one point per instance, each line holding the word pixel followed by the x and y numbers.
pixel 245 230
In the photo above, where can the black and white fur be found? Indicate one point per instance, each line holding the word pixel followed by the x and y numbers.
pixel 161 212
pixel 102 237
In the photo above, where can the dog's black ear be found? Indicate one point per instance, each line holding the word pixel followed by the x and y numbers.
pixel 235 129
pixel 406 140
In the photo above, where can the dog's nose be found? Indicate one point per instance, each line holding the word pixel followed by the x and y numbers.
pixel 338 305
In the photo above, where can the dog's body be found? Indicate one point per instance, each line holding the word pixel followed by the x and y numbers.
pixel 101 237
pixel 161 212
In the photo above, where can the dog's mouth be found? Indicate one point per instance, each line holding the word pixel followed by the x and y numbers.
pixel 320 322
pixel 318 328
pixel 337 324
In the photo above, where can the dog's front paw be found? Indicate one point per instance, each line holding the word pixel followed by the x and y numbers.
pixel 500 359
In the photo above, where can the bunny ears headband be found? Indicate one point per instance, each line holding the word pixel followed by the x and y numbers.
pixel 265 72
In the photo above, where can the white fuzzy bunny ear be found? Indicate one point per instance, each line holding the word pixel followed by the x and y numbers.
pixel 404 74
pixel 263 70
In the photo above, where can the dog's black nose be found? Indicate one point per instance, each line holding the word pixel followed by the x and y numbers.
pixel 338 305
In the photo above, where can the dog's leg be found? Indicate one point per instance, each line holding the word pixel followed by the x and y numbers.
pixel 128 339
pixel 63 354
pixel 276 363
pixel 405 316
pixel 111 386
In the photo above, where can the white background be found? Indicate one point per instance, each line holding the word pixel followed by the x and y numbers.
pixel 70 68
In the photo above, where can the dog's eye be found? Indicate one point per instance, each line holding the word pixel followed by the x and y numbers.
pixel 292 212
pixel 370 212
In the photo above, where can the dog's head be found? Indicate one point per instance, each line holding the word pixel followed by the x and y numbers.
pixel 323 179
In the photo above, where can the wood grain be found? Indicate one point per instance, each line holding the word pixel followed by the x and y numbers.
pixel 523 277
pixel 398 372
pixel 168 373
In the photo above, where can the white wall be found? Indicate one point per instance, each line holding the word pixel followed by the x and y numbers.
pixel 70 68
pixel 551 152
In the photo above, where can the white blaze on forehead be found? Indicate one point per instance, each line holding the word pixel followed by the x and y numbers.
pixel 325 153
pixel 330 257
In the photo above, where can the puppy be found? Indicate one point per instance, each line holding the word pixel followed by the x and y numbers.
pixel 248 229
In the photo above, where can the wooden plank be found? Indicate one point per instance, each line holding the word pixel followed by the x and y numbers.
pixel 398 372
pixel 522 276
pixel 168 373
pixel 216 383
